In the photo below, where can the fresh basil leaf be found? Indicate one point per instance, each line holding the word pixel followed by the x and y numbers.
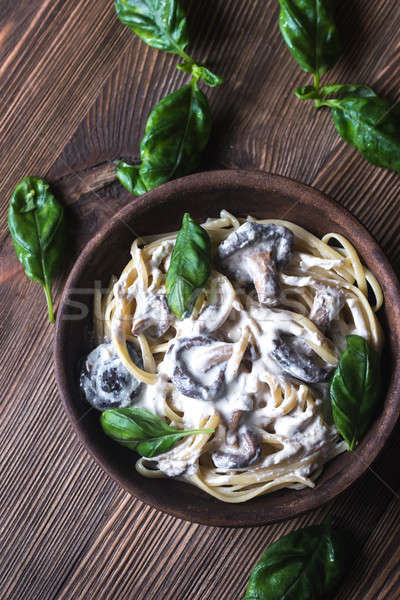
pixel 159 23
pixel 308 28
pixel 140 430
pixel 307 564
pixel 35 219
pixel 189 268
pixel 201 72
pixel 177 132
pixel 355 390
pixel 129 176
pixel 369 123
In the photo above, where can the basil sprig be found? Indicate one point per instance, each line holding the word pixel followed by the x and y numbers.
pixel 35 219
pixel 303 565
pixel 309 92
pixel 140 430
pixel 369 123
pixel 179 127
pixel 363 120
pixel 189 268
pixel 355 390
pixel 177 132
pixel 309 30
pixel 162 25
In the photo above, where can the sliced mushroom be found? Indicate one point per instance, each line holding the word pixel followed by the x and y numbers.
pixel 246 453
pixel 235 422
pixel 298 360
pixel 254 253
pixel 152 315
pixel 327 304
pixel 104 380
pixel 199 375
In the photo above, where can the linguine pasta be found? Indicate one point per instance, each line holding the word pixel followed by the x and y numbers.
pixel 272 430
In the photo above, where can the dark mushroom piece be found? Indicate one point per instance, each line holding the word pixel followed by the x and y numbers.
pixel 105 381
pixel 155 318
pixel 327 304
pixel 246 453
pixel 186 375
pixel 298 360
pixel 254 253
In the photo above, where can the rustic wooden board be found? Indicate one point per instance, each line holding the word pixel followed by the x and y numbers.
pixel 75 90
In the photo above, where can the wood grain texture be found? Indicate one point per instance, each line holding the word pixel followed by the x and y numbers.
pixel 76 89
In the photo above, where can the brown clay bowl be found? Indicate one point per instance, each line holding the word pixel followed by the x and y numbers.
pixel 161 210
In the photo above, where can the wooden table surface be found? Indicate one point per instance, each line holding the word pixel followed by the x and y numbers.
pixel 76 88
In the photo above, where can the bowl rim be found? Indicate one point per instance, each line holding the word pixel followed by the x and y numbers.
pixel 264 182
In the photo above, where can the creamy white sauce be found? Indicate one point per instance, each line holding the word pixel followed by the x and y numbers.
pixel 298 433
pixel 308 260
pixel 360 327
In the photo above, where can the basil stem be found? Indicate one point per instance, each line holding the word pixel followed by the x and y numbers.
pixel 201 72
pixel 35 220
pixel 140 430
pixel 306 564
pixel 355 390
pixel 189 268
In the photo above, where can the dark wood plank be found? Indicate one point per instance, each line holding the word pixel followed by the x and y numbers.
pixel 76 88
pixel 50 78
pixel 378 578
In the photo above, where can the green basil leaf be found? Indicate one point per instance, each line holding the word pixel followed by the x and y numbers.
pixel 308 28
pixel 201 72
pixel 177 132
pixel 159 23
pixel 355 389
pixel 307 564
pixel 35 220
pixel 129 177
pixel 140 430
pixel 163 443
pixel 369 123
pixel 189 268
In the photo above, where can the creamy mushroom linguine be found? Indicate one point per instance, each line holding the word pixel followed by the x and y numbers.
pixel 252 361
